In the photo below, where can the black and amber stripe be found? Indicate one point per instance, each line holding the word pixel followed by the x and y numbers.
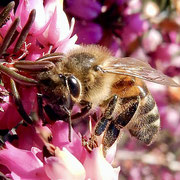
pixel 146 125
pixel 112 132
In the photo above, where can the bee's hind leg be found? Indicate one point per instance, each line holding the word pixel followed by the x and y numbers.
pixel 129 106
pixel 102 124
pixel 107 117
pixel 111 135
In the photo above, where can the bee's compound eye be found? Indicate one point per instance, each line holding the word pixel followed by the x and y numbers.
pixel 74 86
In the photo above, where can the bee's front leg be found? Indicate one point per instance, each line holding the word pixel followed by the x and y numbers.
pixel 18 103
pixel 45 135
pixel 40 108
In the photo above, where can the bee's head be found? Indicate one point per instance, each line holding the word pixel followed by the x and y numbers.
pixel 61 89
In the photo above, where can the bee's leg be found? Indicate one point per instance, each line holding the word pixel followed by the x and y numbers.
pixel 31 120
pixel 110 136
pixel 90 143
pixel 40 107
pixel 102 124
pixel 129 106
pixel 86 107
pixel 18 103
pixel 107 117
pixel 7 135
pixel 3 133
pixel 69 121
pixel 70 126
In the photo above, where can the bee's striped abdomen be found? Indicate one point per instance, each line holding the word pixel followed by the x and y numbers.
pixel 146 124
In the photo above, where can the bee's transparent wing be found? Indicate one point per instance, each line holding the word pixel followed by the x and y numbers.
pixel 137 68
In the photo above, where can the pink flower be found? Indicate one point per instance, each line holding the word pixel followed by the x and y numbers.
pixel 165 51
pixel 96 163
pixel 70 160
pixel 134 27
pixel 64 166
pixel 22 163
pixel 151 40
pixel 9 117
pixel 58 30
pixel 84 9
pixel 23 10
pixel 133 6
pixel 50 27
pixel 52 23
pixel 88 32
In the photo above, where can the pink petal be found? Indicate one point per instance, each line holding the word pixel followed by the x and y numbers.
pixel 23 163
pixel 9 117
pixel 88 32
pixel 60 139
pixel 58 29
pixel 96 163
pixel 165 51
pixel 151 40
pixel 84 9
pixel 28 138
pixel 67 45
pixel 111 153
pixel 64 166
pixel 25 7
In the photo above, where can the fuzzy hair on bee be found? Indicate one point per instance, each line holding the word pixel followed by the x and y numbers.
pixel 91 77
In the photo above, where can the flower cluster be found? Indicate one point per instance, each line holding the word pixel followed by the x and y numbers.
pixel 34 29
pixel 145 30
pixel 44 35
pixel 70 161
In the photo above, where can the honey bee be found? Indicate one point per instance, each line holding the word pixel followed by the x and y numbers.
pixel 91 77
